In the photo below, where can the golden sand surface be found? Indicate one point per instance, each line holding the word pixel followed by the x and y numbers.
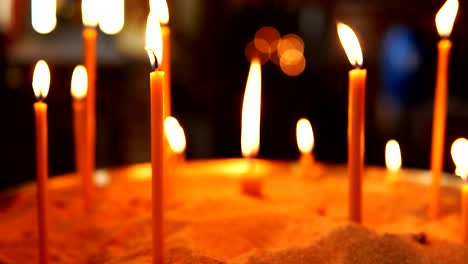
pixel 300 219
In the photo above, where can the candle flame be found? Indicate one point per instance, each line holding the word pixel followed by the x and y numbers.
pixel 350 44
pixel 459 153
pixel 446 17
pixel 304 136
pixel 160 8
pixel 79 82
pixel 43 17
pixel 41 80
pixel 89 13
pixel 393 156
pixel 175 135
pixel 250 130
pixel 112 17
pixel 154 40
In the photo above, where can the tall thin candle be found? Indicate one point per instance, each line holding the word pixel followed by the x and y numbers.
pixel 175 136
pixel 154 49
pixel 250 131
pixel 162 10
pixel 41 82
pixel 79 86
pixel 90 16
pixel 444 21
pixel 356 114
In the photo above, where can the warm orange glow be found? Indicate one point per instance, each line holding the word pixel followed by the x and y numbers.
pixel 292 62
pixel 459 153
pixel 446 17
pixel 175 135
pixel 304 136
pixel 290 42
pixel 112 17
pixel 43 17
pixel 160 8
pixel 79 82
pixel 265 39
pixel 350 44
pixel 90 13
pixel 41 80
pixel 250 131
pixel 393 156
pixel 154 40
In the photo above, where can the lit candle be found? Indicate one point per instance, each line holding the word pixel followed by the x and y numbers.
pixel 43 15
pixel 392 160
pixel 177 142
pixel 176 138
pixel 90 16
pixel 79 86
pixel 459 153
pixel 160 7
pixel 444 21
pixel 41 83
pixel 112 17
pixel 305 143
pixel 356 110
pixel 154 49
pixel 250 133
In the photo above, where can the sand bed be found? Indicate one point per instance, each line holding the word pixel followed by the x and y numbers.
pixel 299 220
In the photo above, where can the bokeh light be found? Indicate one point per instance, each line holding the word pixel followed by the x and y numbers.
pixel 286 52
pixel 290 41
pixel 291 55
pixel 264 39
pixel 292 62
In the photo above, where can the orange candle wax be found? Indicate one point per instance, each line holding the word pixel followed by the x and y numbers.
pixel 154 48
pixel 444 22
pixel 438 124
pixel 175 136
pixel 464 209
pixel 252 182
pixel 83 168
pixel 40 111
pixel 166 67
pixel 306 161
pixel 250 135
pixel 79 86
pixel 89 37
pixel 356 116
pixel 157 168
pixel 41 82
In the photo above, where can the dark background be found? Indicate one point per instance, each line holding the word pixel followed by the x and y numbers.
pixel 209 72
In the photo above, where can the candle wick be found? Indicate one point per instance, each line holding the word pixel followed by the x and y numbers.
pixel 154 63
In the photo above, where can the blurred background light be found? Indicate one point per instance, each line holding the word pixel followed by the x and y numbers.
pixel 112 18
pixel 43 17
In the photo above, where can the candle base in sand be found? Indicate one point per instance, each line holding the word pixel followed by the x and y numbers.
pixel 252 187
